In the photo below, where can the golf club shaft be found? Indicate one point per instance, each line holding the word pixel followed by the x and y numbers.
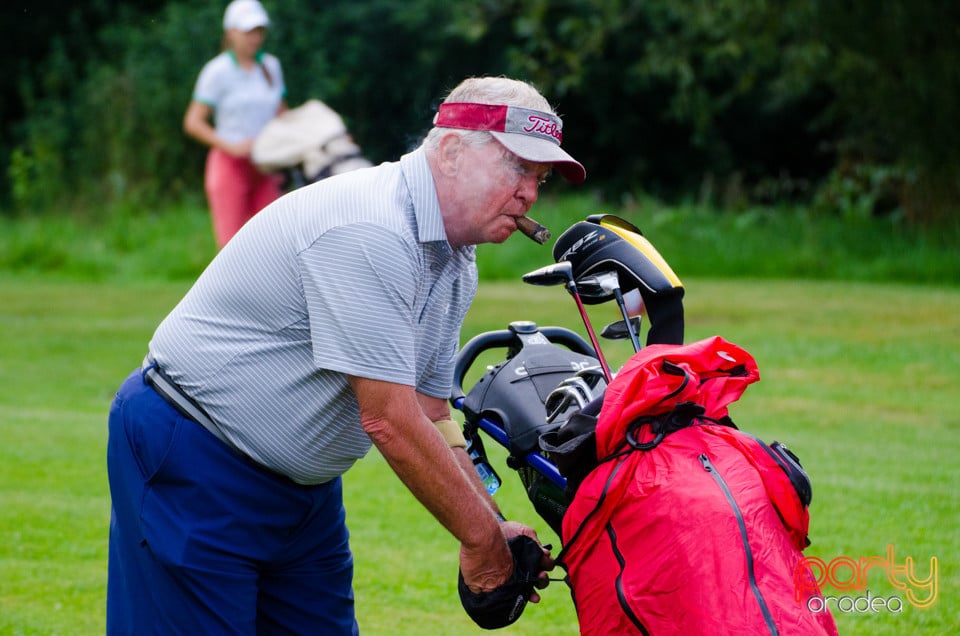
pixel 634 339
pixel 572 287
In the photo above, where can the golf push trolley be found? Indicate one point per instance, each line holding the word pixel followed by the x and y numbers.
pixel 530 402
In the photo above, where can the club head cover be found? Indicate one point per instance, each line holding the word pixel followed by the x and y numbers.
pixel 608 243
pixel 504 605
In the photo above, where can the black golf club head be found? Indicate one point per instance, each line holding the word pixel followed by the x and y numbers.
pixel 619 331
pixel 557 274
pixel 598 288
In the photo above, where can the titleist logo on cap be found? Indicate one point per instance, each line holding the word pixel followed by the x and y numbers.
pixel 543 125
pixel 500 118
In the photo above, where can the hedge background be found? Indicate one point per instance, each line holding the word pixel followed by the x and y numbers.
pixel 850 106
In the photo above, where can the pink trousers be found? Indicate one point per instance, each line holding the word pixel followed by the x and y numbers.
pixel 236 191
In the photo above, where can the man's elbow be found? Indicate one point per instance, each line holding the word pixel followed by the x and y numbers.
pixel 380 431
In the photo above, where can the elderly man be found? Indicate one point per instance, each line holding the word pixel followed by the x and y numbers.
pixel 329 323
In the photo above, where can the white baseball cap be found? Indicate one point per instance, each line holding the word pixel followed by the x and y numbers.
pixel 245 15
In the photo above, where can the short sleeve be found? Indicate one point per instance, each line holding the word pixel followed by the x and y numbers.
pixel 209 86
pixel 360 283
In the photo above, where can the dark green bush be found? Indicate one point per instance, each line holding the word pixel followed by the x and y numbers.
pixel 733 102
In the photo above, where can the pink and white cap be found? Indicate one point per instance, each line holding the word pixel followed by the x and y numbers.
pixel 532 135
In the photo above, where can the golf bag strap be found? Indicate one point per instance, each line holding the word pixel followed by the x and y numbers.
pixel 183 403
pixel 451 433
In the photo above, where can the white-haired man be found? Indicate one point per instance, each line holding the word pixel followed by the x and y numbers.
pixel 328 324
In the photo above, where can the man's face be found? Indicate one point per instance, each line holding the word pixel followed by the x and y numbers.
pixel 495 187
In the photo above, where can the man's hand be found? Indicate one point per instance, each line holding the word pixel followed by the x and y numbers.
pixel 513 529
pixel 484 571
pixel 504 604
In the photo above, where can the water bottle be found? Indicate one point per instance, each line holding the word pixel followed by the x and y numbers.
pixel 487 475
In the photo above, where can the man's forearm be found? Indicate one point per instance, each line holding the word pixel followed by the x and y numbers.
pixel 402 430
pixel 466 464
pixel 438 479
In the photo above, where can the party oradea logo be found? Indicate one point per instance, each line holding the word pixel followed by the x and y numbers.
pixel 850 578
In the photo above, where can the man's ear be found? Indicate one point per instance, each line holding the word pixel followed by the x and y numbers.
pixel 450 151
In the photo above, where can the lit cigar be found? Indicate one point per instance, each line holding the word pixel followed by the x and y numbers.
pixel 533 229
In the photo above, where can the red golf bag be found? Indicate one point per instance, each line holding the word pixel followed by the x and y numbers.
pixel 688 525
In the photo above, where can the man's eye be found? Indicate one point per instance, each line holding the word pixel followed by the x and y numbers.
pixel 528 170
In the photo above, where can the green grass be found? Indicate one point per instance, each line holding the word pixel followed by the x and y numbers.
pixel 859 379
pixel 139 243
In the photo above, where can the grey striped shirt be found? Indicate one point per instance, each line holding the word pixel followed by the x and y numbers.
pixel 351 275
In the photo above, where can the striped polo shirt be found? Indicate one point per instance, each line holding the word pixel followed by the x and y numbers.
pixel 352 275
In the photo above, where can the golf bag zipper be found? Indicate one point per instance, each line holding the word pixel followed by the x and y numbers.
pixel 621 597
pixel 717 477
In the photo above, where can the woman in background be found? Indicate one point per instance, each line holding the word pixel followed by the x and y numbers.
pixel 240 90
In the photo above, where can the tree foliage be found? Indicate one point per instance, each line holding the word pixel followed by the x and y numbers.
pixel 735 100
pixel 895 69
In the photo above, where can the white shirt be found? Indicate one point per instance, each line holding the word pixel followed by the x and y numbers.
pixel 243 100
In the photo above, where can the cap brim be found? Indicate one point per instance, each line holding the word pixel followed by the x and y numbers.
pixel 543 151
pixel 252 23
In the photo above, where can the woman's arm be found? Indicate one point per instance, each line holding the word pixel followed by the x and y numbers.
pixel 196 124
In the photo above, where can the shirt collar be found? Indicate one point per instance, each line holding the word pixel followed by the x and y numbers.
pixel 258 57
pixel 423 193
pixel 426 206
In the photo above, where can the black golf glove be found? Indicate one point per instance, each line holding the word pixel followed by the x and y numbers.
pixel 504 605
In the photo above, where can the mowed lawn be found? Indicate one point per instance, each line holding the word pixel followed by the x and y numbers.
pixel 860 380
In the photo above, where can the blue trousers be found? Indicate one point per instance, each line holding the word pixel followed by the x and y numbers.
pixel 202 541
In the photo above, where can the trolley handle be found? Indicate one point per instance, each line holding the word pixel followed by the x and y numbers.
pixel 513 339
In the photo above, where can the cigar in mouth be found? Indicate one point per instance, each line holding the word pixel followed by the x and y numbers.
pixel 533 229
